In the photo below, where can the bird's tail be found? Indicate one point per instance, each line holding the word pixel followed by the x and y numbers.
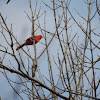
pixel 20 46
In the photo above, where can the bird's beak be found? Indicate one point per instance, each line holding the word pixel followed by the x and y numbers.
pixel 42 37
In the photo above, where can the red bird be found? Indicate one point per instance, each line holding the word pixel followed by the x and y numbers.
pixel 29 41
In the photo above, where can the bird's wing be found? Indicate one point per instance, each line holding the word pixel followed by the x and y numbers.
pixel 29 39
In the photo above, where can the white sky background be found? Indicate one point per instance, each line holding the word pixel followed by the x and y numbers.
pixel 16 16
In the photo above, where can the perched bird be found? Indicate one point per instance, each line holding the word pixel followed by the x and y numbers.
pixel 30 41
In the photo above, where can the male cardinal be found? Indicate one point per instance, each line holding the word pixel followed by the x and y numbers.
pixel 30 41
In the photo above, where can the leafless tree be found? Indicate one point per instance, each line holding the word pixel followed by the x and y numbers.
pixel 75 61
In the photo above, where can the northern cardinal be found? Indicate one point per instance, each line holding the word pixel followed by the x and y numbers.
pixel 29 41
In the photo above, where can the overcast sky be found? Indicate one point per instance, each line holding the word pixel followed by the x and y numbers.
pixel 14 11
